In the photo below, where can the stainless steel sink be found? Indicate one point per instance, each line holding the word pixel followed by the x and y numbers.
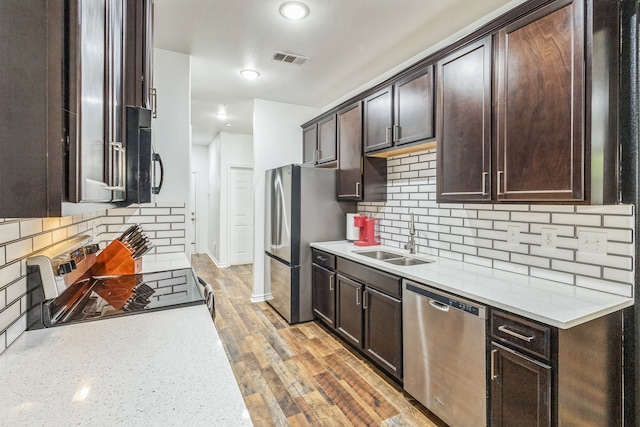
pixel 381 255
pixel 407 261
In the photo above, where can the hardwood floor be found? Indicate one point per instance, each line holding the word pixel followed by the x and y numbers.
pixel 299 375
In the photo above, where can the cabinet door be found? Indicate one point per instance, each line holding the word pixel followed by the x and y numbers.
pixel 327 140
pixel 383 330
pixel 464 124
pixel 541 106
pixel 349 310
pixel 378 117
pixel 413 107
pixel 309 144
pixel 139 53
pixel 520 390
pixel 350 152
pixel 324 302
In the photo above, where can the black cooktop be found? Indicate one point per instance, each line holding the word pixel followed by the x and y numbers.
pixel 99 297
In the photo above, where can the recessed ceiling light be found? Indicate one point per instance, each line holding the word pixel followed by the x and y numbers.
pixel 294 10
pixel 228 125
pixel 222 116
pixel 249 74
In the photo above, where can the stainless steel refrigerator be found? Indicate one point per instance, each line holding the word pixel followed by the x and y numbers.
pixel 301 208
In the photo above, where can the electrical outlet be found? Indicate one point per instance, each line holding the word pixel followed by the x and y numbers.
pixel 592 242
pixel 548 237
pixel 513 234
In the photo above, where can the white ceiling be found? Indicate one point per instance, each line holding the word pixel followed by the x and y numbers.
pixel 350 43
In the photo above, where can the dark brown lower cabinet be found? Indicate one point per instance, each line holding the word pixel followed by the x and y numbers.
pixel 383 330
pixel 349 310
pixel 324 298
pixel 520 389
pixel 372 322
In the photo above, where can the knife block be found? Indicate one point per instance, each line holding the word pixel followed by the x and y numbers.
pixel 116 259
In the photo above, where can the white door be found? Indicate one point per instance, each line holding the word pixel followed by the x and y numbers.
pixel 193 203
pixel 240 215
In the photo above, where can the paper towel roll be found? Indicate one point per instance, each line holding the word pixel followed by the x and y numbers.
pixel 353 232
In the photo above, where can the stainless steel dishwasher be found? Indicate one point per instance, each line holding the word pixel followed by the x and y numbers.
pixel 444 354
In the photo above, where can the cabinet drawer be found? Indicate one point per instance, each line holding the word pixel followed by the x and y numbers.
pixel 521 333
pixel 384 282
pixel 323 259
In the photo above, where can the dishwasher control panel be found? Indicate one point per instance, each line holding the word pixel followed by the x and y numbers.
pixel 443 298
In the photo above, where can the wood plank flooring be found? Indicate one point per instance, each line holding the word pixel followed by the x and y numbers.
pixel 300 375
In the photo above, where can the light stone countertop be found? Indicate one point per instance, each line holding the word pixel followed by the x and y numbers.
pixel 162 368
pixel 553 303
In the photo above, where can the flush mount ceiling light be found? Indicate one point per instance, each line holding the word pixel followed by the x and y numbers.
pixel 222 115
pixel 294 10
pixel 228 125
pixel 249 74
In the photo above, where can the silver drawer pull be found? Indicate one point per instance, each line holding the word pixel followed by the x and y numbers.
pixel 514 334
pixel 321 258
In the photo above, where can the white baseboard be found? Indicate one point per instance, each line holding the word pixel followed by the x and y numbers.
pixel 261 298
pixel 215 261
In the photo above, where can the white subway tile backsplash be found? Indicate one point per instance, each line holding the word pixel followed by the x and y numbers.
pixel 41 241
pixel 577 219
pixel 556 276
pixel 19 249
pixel 9 231
pixel 3 300
pixel 605 286
pixel 539 217
pixel 476 260
pixel 30 227
pixel 576 268
pixel 15 330
pixel 50 223
pixel 9 315
pixel 16 290
pixel 618 221
pixel 624 263
pixel 483 231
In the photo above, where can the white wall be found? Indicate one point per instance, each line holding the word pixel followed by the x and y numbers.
pixel 235 150
pixel 277 141
pixel 200 165
pixel 171 130
pixel 213 244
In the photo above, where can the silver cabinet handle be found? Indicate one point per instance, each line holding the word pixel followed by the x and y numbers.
pixel 365 300
pixel 498 183
pixel 117 150
pixel 154 103
pixel 387 135
pixel 493 364
pixel 331 283
pixel 508 331
pixel 484 183
pixel 321 258
pixel 352 195
pixel 358 296
pixel 396 133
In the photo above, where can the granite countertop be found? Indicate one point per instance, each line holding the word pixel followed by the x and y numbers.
pixel 553 303
pixel 165 367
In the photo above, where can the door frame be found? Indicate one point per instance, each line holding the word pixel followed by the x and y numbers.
pixel 230 167
pixel 193 207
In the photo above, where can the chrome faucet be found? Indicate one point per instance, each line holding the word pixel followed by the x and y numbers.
pixel 411 244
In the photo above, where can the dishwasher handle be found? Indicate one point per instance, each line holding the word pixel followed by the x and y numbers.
pixel 438 305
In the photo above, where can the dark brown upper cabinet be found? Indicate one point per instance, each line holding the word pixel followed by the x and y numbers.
pixel 319 142
pixel 326 140
pixel 400 113
pixel 139 60
pixel 309 144
pixel 540 150
pixel 350 152
pixel 359 178
pixel 464 123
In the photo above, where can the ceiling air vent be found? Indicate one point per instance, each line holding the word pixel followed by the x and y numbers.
pixel 290 58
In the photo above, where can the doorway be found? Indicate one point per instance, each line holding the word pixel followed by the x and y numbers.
pixel 240 198
pixel 193 207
